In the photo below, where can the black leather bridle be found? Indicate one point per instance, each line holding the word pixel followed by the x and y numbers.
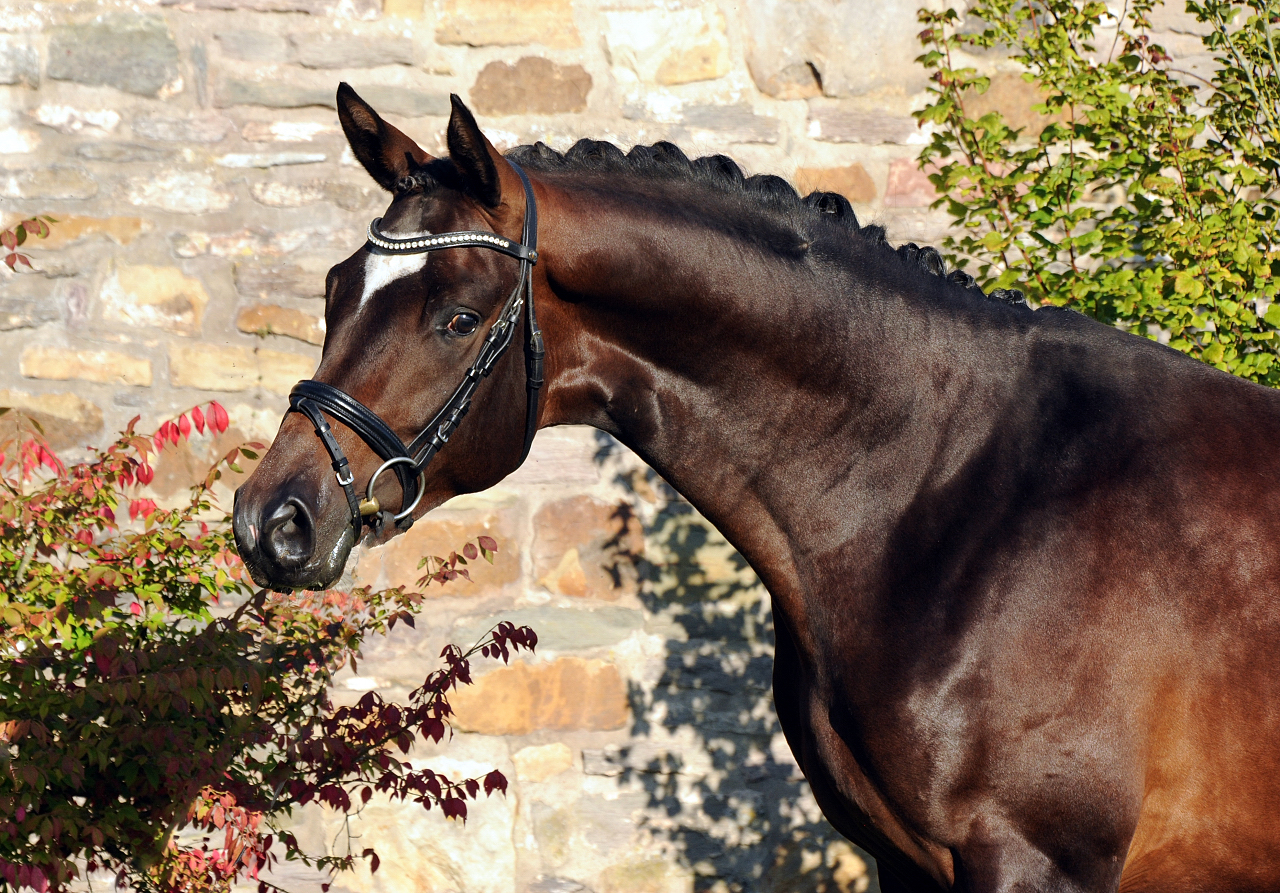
pixel 314 398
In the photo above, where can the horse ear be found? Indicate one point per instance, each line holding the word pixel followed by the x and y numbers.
pixel 386 153
pixel 482 166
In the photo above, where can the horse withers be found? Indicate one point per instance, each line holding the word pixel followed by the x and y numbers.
pixel 1024 567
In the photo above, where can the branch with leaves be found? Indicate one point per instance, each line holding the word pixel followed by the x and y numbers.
pixel 146 688
pixel 13 238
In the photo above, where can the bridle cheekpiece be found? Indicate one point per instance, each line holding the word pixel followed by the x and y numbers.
pixel 314 399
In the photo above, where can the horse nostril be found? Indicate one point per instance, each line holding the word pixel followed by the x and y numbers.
pixel 288 535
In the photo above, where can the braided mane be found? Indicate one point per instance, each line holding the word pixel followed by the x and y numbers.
pixel 719 172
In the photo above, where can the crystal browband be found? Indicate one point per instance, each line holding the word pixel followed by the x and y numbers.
pixel 425 243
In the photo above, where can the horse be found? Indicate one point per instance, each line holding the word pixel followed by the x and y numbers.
pixel 1023 566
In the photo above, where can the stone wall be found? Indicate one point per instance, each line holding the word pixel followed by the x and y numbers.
pixel 190 151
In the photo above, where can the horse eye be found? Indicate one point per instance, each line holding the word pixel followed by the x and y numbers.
pixel 463 323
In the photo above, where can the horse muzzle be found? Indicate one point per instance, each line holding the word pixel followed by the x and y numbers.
pixel 285 546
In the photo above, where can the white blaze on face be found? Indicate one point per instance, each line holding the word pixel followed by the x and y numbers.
pixel 380 270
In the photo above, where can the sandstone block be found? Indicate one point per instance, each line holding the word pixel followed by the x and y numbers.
pixel 559 629
pixel 193 129
pixel 286 131
pixel 540 763
pixel 272 319
pixel 183 192
pixel 121 153
pixel 533 86
pixel 396 563
pixel 71 228
pixel 508 23
pixel 851 47
pixel 265 282
pixel 342 51
pixel 405 101
pixel 347 196
pixel 16 313
pixel 56 182
pixel 272 94
pixel 851 181
pixel 359 9
pixel 405 9
pixel 566 694
pixel 253 46
pixel 65 119
pixel 162 297
pixel 668 46
pixel 133 53
pixel 268 159
pixel 730 123
pixel 581 548
pixel 19 61
pixel 219 368
pixel 835 123
pixel 908 186
pixel 105 366
pixel 68 420
pixel 1013 98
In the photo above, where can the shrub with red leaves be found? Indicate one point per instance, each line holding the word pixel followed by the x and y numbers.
pixel 146 688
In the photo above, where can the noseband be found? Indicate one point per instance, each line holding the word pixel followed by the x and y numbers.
pixel 315 398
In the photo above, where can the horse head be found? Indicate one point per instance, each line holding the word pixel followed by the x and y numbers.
pixel 413 334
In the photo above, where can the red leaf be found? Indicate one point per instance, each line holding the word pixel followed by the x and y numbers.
pixel 135 609
pixel 488 543
pixel 454 808
pixel 495 781
pixel 145 473
pixel 373 863
pixel 8 239
pixel 198 417
pixel 470 551
pixel 184 425
pixel 218 416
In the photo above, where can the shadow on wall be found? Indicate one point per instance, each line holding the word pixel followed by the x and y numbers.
pixel 734 808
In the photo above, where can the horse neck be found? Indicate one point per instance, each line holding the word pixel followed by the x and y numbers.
pixel 778 398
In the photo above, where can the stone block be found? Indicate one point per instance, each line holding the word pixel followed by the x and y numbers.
pixel 19 61
pixel 582 545
pixel 265 160
pixel 183 192
pixel 265 282
pixel 162 297
pixel 834 122
pixel 1013 98
pixel 850 47
pixel 253 46
pixel 396 563
pixel 198 128
pixel 104 366
pixel 27 302
pixel 68 420
pixel 347 196
pixel 272 319
pixel 133 53
pixel 121 153
pixel 346 51
pixel 221 368
pixel 56 182
pixel 286 131
pixel 405 101
pixel 508 23
pixel 72 228
pixel 563 695
pixel 404 9
pixel 729 123
pixel 908 186
pixel 533 86
pixel 852 181
pixel 668 46
pixel 540 763
pixel 357 9
pixel 272 94
pixel 266 243
pixel 559 629
pixel 68 120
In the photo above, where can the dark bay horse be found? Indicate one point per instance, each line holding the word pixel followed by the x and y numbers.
pixel 1025 568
